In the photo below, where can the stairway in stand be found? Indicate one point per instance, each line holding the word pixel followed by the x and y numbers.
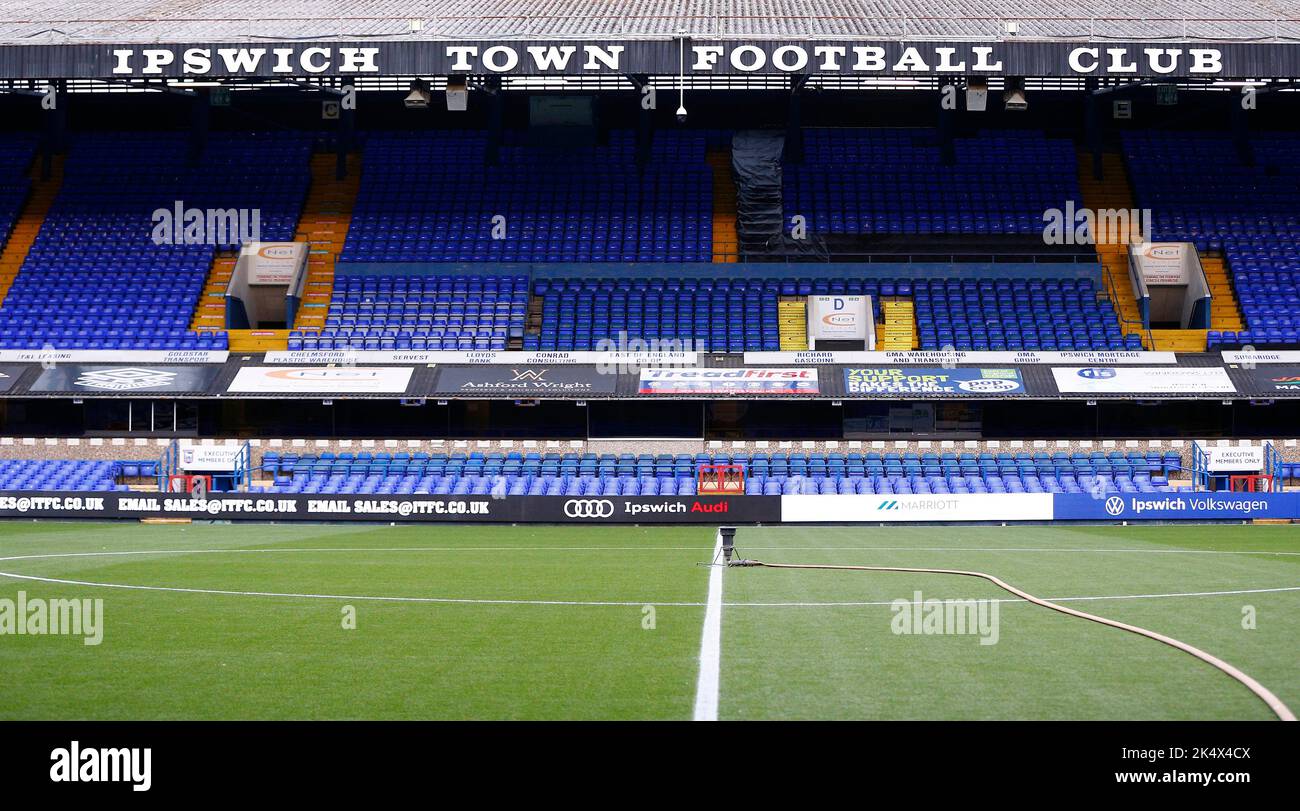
pixel 792 319
pixel 1225 310
pixel 29 221
pixel 210 312
pixel 898 331
pixel 724 206
pixel 326 217
pixel 1113 192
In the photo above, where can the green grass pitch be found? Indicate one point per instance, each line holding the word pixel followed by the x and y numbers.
pixel 247 622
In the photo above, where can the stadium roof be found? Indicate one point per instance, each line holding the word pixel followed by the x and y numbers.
pixel 61 22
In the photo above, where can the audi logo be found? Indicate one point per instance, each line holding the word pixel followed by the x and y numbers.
pixel 588 508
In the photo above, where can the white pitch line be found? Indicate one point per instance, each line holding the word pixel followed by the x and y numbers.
pixel 706 688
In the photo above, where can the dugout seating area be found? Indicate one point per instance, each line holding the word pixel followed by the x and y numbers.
pixel 432 197
pixel 97 276
pixel 894 181
pixel 1200 190
pixel 765 474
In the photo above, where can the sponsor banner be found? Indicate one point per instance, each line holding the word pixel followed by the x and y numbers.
pixel 209 458
pixel 1276 379
pixel 552 53
pixel 9 375
pixel 1176 506
pixel 955 358
pixel 1250 356
pixel 48 356
pixel 273 263
pixel 1234 458
pixel 1164 263
pixel 321 380
pixel 703 509
pixel 404 508
pixel 729 381
pixel 524 381
pixel 905 508
pixel 932 380
pixel 93 378
pixel 839 318
pixel 1142 380
pixel 485 357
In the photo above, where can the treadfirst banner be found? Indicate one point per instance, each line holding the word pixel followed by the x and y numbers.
pixel 729 381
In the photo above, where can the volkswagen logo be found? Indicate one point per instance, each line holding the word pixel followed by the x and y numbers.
pixel 588 508
pixel 1115 505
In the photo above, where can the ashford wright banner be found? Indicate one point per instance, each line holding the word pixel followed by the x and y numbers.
pixel 524 381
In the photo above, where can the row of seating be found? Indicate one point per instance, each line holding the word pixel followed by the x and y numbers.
pixel 633 485
pixel 64 474
pixel 536 203
pixel 895 181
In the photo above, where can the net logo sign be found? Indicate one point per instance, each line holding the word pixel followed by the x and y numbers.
pixel 1097 373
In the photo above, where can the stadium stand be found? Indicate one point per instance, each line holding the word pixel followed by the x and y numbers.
pixel 1200 189
pixel 95 278
pixel 517 473
pixel 591 204
pixel 894 181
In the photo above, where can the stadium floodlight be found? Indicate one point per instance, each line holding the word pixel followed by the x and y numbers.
pixel 1011 27
pixel 419 97
pixel 1014 97
pixel 457 94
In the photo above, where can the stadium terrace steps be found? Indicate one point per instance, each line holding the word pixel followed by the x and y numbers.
pixel 210 313
pixel 29 222
pixel 1225 311
pixel 898 330
pixel 1178 340
pixel 258 340
pixel 725 245
pixel 326 218
pixel 1113 192
pixel 792 314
